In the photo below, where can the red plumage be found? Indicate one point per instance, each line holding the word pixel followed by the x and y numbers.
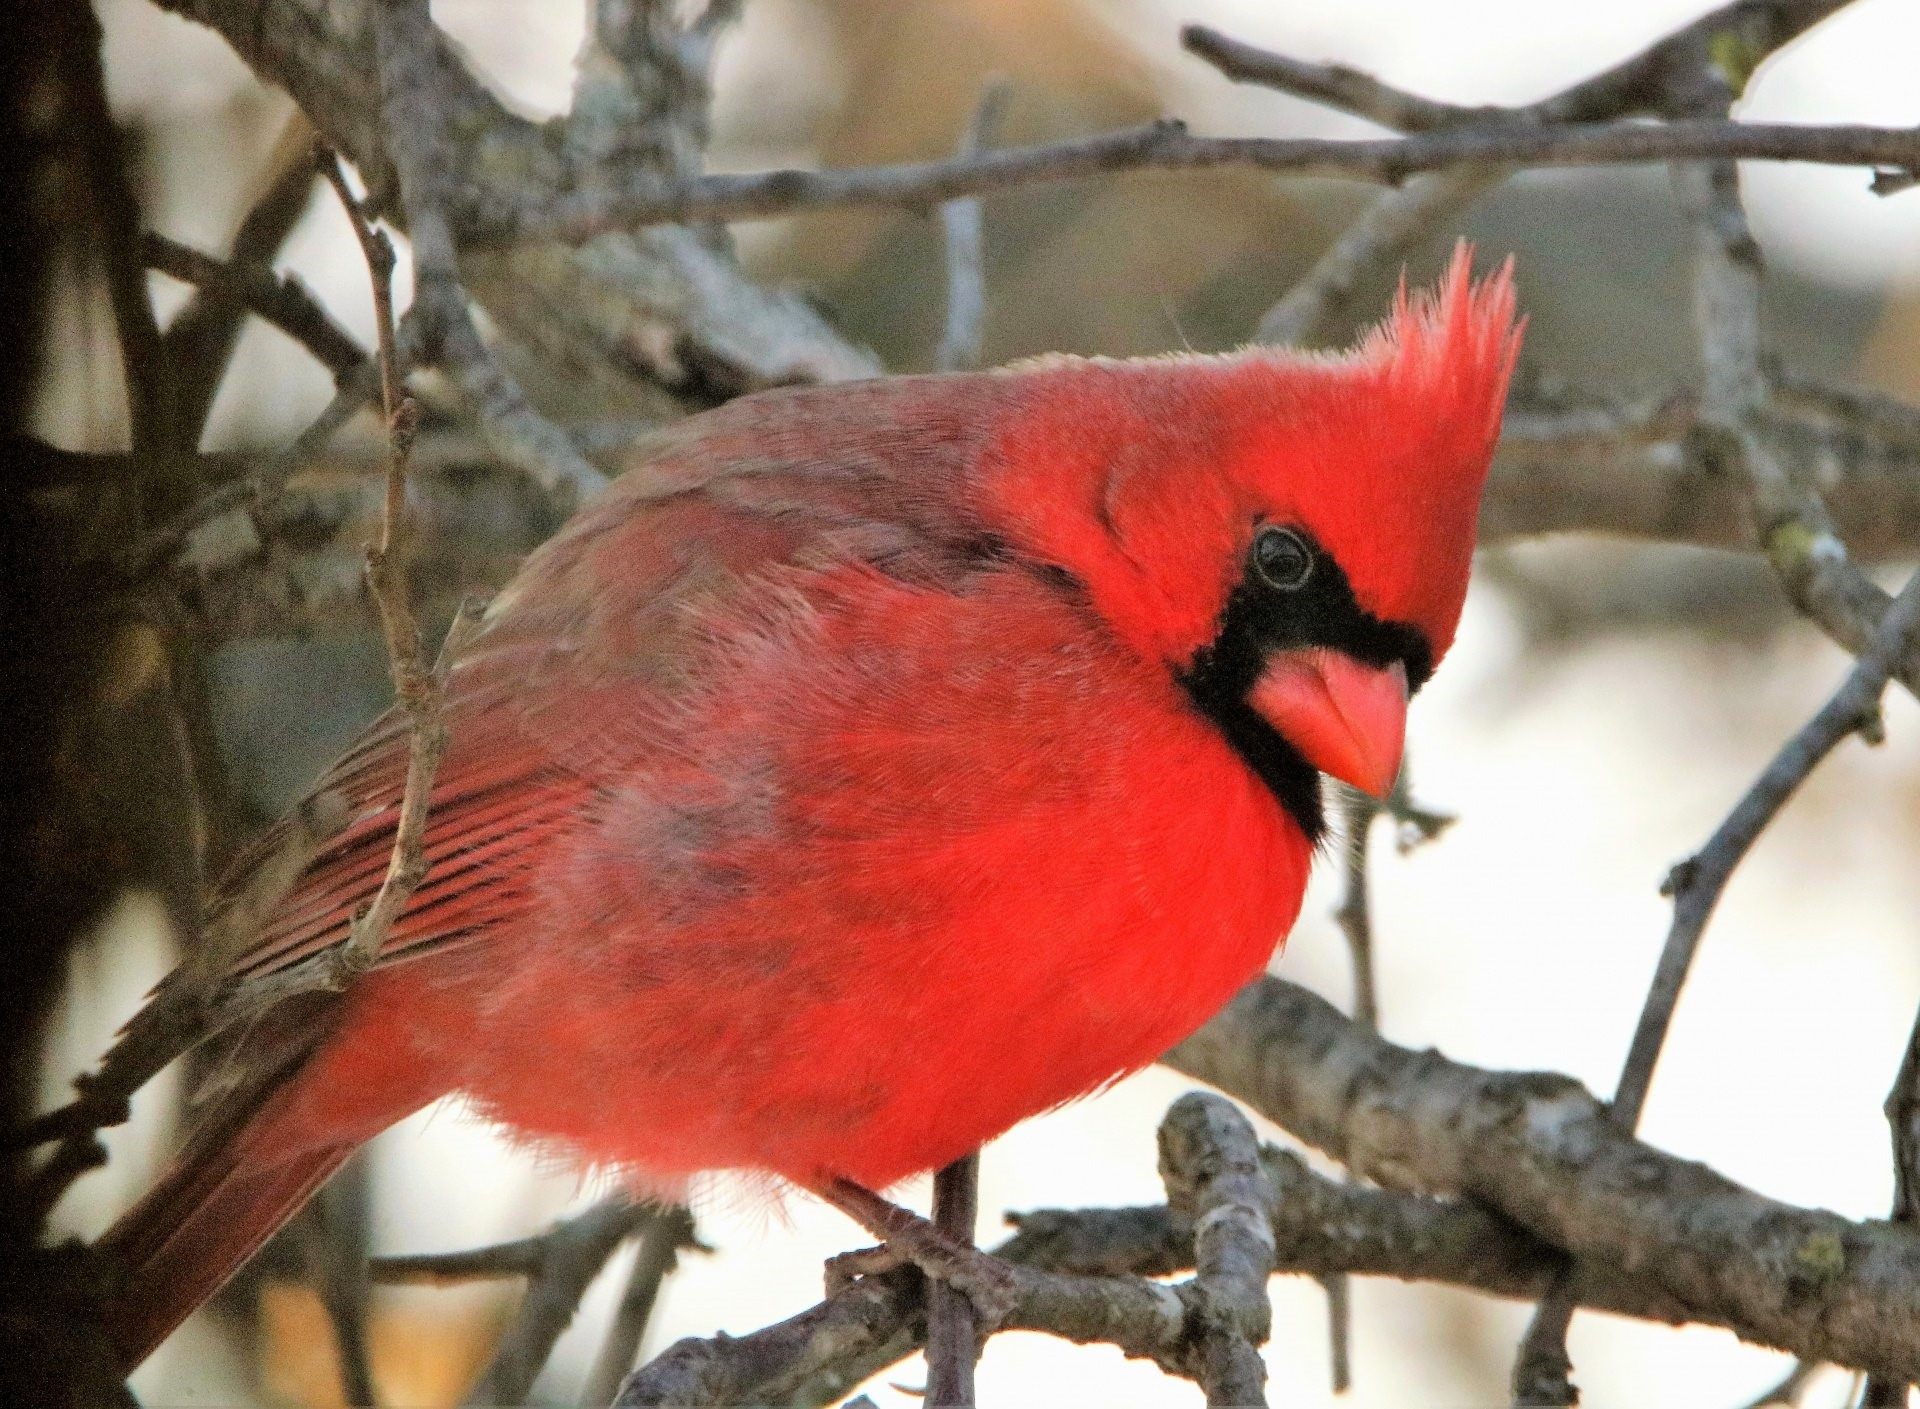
pixel 831 794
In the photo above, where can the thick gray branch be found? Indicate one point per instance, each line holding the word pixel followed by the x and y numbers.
pixel 1541 1150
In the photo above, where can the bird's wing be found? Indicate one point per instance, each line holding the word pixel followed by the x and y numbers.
pixel 603 630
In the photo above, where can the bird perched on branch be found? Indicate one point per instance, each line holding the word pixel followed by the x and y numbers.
pixel 872 766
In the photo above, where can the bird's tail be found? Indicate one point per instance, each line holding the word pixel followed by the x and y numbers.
pixel 264 1146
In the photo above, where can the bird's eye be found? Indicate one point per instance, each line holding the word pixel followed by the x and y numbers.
pixel 1283 559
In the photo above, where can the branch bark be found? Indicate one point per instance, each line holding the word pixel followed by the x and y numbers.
pixel 1542 1151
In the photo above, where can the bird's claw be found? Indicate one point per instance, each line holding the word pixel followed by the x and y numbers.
pixel 984 1280
pixel 845 1268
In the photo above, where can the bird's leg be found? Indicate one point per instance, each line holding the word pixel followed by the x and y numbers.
pixel 908 1238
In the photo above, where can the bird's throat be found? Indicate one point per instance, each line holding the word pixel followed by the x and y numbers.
pixel 1294 782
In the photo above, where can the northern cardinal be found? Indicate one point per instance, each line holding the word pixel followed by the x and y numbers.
pixel 871 767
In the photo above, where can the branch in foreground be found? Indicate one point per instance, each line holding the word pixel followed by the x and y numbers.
pixel 1204 1329
pixel 1320 1226
pixel 1210 1163
pixel 1542 1151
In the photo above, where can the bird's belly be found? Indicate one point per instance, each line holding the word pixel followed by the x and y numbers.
pixel 885 1020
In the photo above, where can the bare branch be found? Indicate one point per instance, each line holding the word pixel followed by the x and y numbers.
pixel 281 300
pixel 641 101
pixel 416 686
pixel 1320 1227
pixel 661 1242
pixel 159 546
pixel 1542 1151
pixel 1210 1163
pixel 570 1255
pixel 1397 221
pixel 1200 1329
pixel 407 46
pixel 1332 85
pixel 1696 883
pixel 1166 145
pixel 1391 226
pixel 1745 30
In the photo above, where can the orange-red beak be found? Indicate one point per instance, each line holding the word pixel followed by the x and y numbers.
pixel 1347 719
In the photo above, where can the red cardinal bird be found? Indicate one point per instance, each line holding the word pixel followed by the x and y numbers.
pixel 870 767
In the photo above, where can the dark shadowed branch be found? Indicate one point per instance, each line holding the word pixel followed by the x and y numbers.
pixel 281 300
pixel 199 342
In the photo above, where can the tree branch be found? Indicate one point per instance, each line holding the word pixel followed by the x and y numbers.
pixel 199 342
pixel 424 156
pixel 281 300
pixel 1210 1163
pixel 1540 1150
pixel 1167 145
pixel 1395 222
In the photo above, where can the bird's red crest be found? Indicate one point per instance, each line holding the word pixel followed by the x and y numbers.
pixel 1146 478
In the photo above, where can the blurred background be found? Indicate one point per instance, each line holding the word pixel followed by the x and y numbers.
pixel 1606 704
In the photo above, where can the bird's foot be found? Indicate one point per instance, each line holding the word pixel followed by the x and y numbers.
pixel 984 1280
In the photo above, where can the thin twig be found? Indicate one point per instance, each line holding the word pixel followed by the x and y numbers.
pixel 1696 885
pixel 416 685
pixel 1394 223
pixel 1383 234
pixel 1332 85
pixel 159 546
pixel 1167 145
pixel 1354 916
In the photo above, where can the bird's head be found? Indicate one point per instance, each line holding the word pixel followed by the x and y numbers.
pixel 1288 533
